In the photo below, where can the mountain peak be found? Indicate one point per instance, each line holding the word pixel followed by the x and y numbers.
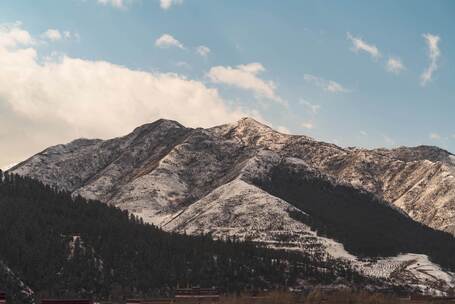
pixel 161 123
pixel 249 120
pixel 252 125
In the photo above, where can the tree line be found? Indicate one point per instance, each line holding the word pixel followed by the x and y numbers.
pixel 63 246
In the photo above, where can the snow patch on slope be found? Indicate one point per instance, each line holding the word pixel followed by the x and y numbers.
pixel 242 210
pixel 416 270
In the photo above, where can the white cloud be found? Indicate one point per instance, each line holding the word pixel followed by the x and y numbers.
pixel 114 3
pixel 359 44
pixel 245 76
pixel 203 50
pixel 71 35
pixel 283 129
pixel 363 133
pixel 312 108
pixel 435 136
pixel 183 64
pixel 12 35
pixel 56 35
pixel 166 4
pixel 44 102
pixel 394 65
pixel 166 41
pixel 308 125
pixel 328 85
pixel 388 140
pixel 52 35
pixel 434 52
pixel 335 87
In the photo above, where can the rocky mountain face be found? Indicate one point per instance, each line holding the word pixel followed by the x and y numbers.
pixel 162 167
pixel 218 181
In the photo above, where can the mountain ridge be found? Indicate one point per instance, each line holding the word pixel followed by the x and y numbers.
pixel 209 180
pixel 358 167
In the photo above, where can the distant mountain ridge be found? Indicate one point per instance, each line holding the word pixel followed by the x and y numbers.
pixel 229 181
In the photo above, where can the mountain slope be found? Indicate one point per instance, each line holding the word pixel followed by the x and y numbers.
pixel 235 179
pixel 165 165
pixel 69 247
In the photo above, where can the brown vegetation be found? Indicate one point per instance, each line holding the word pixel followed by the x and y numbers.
pixel 317 296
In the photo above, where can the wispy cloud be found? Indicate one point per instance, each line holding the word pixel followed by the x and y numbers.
pixel 308 125
pixel 309 107
pixel 328 85
pixel 434 53
pixel 394 65
pixel 358 44
pixel 166 4
pixel 114 3
pixel 388 140
pixel 435 136
pixel 363 133
pixel 283 129
pixel 245 76
pixel 52 34
pixel 167 41
pixel 183 64
pixel 203 50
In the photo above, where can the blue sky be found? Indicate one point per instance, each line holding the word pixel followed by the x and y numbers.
pixel 348 72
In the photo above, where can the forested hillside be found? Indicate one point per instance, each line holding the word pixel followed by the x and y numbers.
pixel 366 225
pixel 62 246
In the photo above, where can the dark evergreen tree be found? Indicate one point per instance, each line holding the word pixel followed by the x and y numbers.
pixel 65 247
pixel 366 225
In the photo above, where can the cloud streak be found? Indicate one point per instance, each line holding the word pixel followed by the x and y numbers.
pixel 166 4
pixel 358 44
pixel 327 85
pixel 309 107
pixel 114 3
pixel 432 42
pixel 308 125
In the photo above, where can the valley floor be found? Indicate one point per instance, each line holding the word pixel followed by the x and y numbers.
pixel 318 296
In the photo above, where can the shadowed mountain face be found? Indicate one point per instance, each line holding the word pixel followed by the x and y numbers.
pixel 249 181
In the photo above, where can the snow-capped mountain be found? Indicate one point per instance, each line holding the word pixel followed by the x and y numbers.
pixel 163 166
pixel 238 179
